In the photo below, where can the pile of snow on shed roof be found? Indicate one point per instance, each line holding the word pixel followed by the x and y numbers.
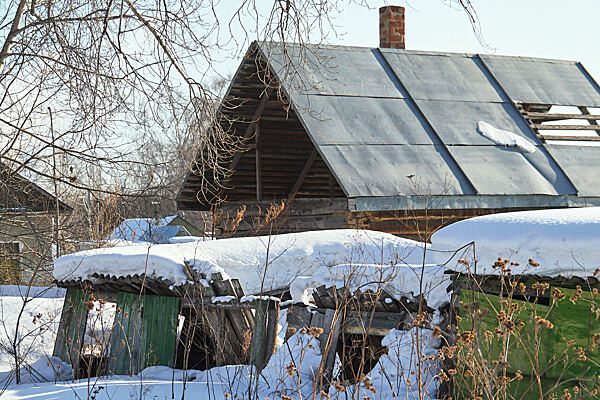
pixel 283 257
pixel 565 242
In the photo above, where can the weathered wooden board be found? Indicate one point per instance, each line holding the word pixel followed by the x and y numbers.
pixel 126 341
pixel 159 330
pixel 71 328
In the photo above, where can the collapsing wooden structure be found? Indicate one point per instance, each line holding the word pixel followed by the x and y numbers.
pixel 156 323
pixel 541 334
pixel 388 139
pixel 353 325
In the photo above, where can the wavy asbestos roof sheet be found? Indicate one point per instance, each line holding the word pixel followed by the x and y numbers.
pixel 393 124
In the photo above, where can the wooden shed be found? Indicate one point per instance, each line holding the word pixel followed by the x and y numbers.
pixel 395 140
pixel 152 322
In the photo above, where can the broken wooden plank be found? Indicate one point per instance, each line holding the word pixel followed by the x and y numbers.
pixel 271 336
pixel 536 116
pixel 566 127
pixel 329 340
pixel 373 323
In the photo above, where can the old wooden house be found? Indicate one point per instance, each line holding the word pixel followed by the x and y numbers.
pixel 30 231
pixel 399 140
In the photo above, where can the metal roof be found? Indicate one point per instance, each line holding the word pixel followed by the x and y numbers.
pixel 393 125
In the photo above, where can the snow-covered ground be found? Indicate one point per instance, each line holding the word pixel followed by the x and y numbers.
pixel 31 320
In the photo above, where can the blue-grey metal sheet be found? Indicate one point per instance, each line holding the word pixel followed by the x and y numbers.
pixel 388 170
pixel 582 166
pixel 392 203
pixel 544 81
pixel 456 121
pixel 363 120
pixel 504 171
pixel 441 76
pixel 344 71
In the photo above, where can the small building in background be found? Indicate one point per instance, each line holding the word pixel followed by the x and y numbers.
pixel 160 230
pixel 31 231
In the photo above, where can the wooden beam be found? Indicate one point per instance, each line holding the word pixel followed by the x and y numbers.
pixel 258 163
pixel 584 110
pixel 302 176
pixel 567 127
pixel 536 116
pixel 572 138
pixel 251 127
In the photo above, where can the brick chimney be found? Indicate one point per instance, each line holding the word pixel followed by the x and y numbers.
pixel 391 27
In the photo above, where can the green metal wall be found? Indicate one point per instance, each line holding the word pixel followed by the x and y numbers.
pixel 545 350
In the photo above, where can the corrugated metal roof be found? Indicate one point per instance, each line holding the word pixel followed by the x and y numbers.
pixel 395 124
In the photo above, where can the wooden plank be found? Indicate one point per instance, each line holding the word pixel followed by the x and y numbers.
pixel 272 323
pixel 125 345
pixel 159 330
pixel 584 110
pixel 376 323
pixel 257 153
pixel 215 329
pixel 259 336
pixel 329 340
pixel 239 292
pixel 536 116
pixel 71 328
pixel 566 127
pixel 303 173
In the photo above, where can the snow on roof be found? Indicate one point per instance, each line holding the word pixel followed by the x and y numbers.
pixel 264 262
pixel 505 138
pixel 563 241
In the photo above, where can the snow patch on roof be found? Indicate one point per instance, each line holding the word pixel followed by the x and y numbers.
pixel 260 263
pixel 563 241
pixel 505 138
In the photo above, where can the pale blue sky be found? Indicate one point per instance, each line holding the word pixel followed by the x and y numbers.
pixel 537 28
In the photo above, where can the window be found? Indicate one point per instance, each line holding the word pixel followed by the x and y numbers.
pixel 566 125
pixel 10 273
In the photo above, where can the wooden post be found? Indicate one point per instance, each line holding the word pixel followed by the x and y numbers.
pixel 258 164
pixel 329 339
pixel 265 332
pixel 259 336
pixel 272 320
